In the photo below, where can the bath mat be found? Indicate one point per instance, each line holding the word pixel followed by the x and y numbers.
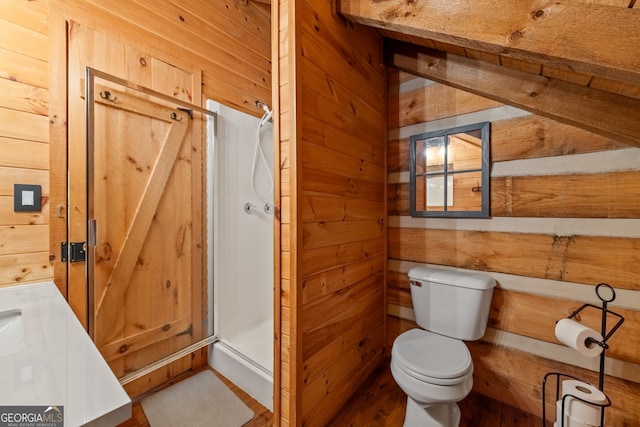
pixel 200 400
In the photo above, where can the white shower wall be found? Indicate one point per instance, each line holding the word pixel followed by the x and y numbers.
pixel 242 264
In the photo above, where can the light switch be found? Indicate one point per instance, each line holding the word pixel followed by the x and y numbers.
pixel 27 198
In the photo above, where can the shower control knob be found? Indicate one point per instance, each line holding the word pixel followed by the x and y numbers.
pixel 268 208
pixel 249 208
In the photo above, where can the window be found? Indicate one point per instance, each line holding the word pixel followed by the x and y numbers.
pixel 449 172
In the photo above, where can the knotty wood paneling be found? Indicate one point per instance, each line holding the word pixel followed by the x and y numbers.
pixel 515 377
pixel 185 34
pixel 32 16
pixel 515 60
pixel 321 373
pixel 20 239
pixel 525 137
pixel 566 75
pixel 317 208
pixel 9 217
pixel 23 97
pixel 320 158
pixel 432 102
pixel 602 195
pixel 333 169
pixel 24 41
pixel 338 140
pixel 192 34
pixel 19 153
pixel 25 69
pixel 526 32
pixel 327 257
pixel 581 259
pixel 11 175
pixel 330 282
pixel 24 138
pixel 535 263
pixel 342 390
pixel 553 98
pixel 286 360
pixel 520 313
pixel 621 88
pixel 535 136
pixel 25 126
pixel 29 267
pixel 323 183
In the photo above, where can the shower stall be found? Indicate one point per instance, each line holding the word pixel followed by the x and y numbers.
pixel 240 232
pixel 168 269
pixel 138 197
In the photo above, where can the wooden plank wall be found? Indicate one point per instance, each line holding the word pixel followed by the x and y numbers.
pixel 188 34
pixel 228 40
pixel 24 138
pixel 565 216
pixel 285 236
pixel 333 229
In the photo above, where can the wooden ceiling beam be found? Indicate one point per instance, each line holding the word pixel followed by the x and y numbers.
pixel 588 38
pixel 611 115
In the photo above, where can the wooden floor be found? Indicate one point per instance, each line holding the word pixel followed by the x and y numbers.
pixel 380 402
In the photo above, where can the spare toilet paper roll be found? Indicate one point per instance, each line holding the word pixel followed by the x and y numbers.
pixel 577 410
pixel 574 335
pixel 570 421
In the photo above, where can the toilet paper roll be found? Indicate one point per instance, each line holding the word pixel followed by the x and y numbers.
pixel 570 421
pixel 585 412
pixel 575 335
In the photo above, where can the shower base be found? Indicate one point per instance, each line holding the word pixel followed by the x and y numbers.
pixel 247 368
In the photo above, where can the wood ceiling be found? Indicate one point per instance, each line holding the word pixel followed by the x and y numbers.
pixel 572 60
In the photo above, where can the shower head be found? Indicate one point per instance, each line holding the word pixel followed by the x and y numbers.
pixel 267 112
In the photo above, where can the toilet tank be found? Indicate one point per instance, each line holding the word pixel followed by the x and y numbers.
pixel 451 303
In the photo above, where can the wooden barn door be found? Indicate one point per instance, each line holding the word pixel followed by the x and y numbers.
pixel 138 181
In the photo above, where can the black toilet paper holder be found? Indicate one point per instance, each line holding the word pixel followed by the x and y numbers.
pixel 605 299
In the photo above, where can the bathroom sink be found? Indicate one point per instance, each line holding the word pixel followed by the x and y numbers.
pixel 11 332
pixel 48 359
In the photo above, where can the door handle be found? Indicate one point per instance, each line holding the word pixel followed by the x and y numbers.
pixel 92 233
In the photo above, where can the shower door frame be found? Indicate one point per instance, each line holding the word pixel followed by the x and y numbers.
pixel 90 76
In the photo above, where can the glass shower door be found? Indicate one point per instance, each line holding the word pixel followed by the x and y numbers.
pixel 149 297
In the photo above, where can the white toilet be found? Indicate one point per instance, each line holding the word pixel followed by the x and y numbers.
pixel 432 365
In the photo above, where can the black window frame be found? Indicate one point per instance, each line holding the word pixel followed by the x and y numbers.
pixel 484 212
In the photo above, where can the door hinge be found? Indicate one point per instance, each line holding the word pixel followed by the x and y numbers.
pixel 74 251
pixel 188 111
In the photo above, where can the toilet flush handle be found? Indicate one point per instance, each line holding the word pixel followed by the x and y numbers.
pixel 415 283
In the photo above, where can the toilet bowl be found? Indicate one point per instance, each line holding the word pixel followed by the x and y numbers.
pixel 431 363
pixel 435 372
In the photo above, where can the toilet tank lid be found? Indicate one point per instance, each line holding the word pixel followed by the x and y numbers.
pixel 452 278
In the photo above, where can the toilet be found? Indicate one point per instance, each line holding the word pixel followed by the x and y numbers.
pixel 432 364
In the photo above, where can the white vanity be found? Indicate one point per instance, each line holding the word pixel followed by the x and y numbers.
pixel 47 358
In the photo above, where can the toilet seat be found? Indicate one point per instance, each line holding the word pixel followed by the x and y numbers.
pixel 432 358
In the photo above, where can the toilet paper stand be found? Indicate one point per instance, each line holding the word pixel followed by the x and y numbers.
pixel 606 294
